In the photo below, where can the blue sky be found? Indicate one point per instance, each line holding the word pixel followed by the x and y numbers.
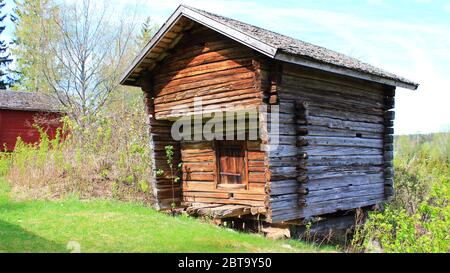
pixel 408 37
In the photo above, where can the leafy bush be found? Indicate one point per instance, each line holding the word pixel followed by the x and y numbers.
pixel 418 218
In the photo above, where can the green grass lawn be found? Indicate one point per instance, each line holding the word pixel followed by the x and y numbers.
pixel 109 226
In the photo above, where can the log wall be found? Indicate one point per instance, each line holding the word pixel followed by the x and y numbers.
pixel 165 192
pixel 220 71
pixel 209 66
pixel 336 144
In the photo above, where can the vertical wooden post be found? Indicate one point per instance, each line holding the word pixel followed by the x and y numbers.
pixel 160 137
pixel 388 147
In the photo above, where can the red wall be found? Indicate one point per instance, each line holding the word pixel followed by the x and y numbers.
pixel 19 123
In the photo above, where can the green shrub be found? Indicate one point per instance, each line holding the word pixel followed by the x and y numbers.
pixel 107 157
pixel 418 218
pixel 5 163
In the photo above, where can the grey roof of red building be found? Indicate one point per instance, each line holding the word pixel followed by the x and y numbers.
pixel 29 101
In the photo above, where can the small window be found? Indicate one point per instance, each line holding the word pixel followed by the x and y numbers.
pixel 231 164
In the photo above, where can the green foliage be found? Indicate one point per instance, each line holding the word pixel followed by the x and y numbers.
pixel 418 218
pixel 148 29
pixel 34 31
pixel 108 158
pixel 5 163
pixel 174 173
pixel 7 78
pixel 110 226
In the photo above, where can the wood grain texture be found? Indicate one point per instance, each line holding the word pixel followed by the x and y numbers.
pixel 343 137
pixel 206 66
pixel 334 150
pixel 201 183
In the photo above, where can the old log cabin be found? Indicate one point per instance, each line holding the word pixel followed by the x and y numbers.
pixel 332 150
pixel 19 111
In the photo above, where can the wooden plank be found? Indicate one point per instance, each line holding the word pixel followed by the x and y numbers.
pixel 343 141
pixel 342 160
pixel 224 201
pixel 339 151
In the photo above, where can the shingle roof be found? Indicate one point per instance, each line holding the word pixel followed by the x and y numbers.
pixel 28 101
pixel 300 48
pixel 269 43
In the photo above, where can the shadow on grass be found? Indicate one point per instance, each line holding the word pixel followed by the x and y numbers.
pixel 15 239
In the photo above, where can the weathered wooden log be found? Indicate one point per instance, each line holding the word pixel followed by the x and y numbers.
pixel 347 114
pixel 389 115
pixel 294 90
pixel 302 131
pixel 313 130
pixel 389 92
pixel 389 182
pixel 302 141
pixel 389 171
pixel 342 173
pixel 388 139
pixel 388 147
pixel 389 163
pixel 338 160
pixel 303 190
pixel 389 191
pixel 282 150
pixel 286 214
pixel 388 155
pixel 302 178
pixel 348 125
pixel 389 123
pixel 344 83
pixel 345 192
pixel 332 102
pixel 342 141
pixel 389 103
pixel 343 181
pixel 336 151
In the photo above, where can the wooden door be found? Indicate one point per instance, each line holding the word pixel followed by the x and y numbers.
pixel 232 165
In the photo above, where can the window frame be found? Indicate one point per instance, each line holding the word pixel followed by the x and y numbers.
pixel 245 181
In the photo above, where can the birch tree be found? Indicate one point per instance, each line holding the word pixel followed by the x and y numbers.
pixel 89 57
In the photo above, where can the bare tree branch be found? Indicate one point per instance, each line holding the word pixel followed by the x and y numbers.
pixel 88 56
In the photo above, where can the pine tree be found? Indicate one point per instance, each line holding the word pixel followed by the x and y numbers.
pixel 5 57
pixel 148 29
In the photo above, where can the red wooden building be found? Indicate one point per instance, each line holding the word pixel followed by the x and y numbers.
pixel 19 111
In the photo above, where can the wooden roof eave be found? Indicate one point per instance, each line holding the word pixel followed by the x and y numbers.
pixel 199 18
pixel 33 110
pixel 173 19
pixel 342 71
pixel 249 41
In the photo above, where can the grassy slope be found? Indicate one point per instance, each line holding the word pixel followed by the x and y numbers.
pixel 107 226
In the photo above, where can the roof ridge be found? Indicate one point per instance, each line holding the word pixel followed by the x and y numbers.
pixel 383 71
pixel 276 46
pixel 268 30
pixel 29 101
